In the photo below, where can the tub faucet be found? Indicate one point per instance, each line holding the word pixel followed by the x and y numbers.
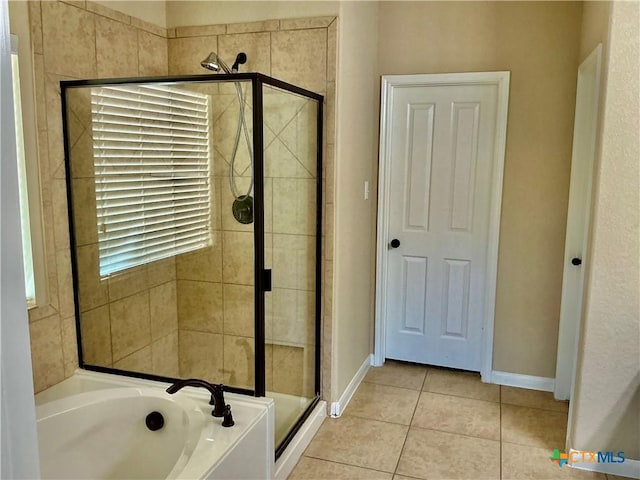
pixel 216 390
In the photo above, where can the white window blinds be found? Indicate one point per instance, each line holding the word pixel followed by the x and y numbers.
pixel 151 157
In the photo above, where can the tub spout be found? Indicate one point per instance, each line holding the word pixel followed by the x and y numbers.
pixel 216 390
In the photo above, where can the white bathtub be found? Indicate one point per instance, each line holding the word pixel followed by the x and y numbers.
pixel 93 426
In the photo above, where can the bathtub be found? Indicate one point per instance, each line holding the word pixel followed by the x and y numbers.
pixel 92 425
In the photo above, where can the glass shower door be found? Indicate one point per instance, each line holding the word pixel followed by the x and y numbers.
pixel 291 242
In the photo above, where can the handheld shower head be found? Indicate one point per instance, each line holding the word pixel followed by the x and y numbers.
pixel 215 63
pixel 241 58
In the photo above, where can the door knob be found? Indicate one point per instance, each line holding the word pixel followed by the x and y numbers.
pixel 395 243
pixel 576 261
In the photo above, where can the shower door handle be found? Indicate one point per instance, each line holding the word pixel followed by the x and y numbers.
pixel 266 280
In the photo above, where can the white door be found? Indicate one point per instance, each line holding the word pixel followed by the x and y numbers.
pixel 582 161
pixel 442 157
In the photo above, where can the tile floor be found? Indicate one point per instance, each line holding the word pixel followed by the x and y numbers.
pixel 414 422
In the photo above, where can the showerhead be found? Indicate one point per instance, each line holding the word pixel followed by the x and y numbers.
pixel 215 63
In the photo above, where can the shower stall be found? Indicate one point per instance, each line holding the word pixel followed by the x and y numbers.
pixel 195 218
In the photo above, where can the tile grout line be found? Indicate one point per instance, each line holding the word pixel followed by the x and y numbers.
pixel 459 396
pixel 404 443
pixel 345 464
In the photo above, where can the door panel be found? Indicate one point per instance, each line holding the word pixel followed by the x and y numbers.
pixel 442 150
pixel 415 290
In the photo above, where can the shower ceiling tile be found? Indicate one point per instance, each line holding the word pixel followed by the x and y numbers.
pixel 200 306
pixel 69 40
pixel 300 57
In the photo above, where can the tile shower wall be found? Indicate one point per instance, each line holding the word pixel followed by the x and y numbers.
pixel 81 40
pixel 302 52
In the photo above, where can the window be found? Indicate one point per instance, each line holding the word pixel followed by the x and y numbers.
pixel 151 155
pixel 25 221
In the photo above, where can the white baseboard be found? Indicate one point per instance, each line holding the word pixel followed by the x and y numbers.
pixel 289 458
pixel 628 468
pixel 531 382
pixel 338 407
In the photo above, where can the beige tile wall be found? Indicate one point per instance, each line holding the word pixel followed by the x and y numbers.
pixel 82 40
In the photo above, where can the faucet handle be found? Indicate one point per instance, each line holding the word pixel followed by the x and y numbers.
pixel 217 400
pixel 228 418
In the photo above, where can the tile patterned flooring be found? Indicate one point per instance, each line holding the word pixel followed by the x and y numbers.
pixel 414 422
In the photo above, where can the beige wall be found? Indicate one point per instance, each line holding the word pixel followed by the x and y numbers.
pixel 182 13
pixel 606 409
pixel 538 42
pixel 152 11
pixel 356 162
